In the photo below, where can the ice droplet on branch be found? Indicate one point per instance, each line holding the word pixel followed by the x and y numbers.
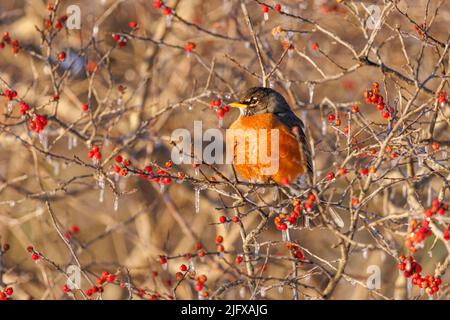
pixel 197 198
pixel 116 203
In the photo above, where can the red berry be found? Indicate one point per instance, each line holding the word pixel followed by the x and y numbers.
pixel 220 113
pixel 330 176
pixel 222 219
pixel 265 9
pixel 314 46
pixel 85 107
pixel 35 257
pixel 331 118
pixel 118 159
pixel 157 4
pixel 132 24
pixel 183 268
pixel 62 56
pixel 277 7
pixel 198 287
pixel 9 291
pixel 219 239
pixel 75 229
pixel 167 11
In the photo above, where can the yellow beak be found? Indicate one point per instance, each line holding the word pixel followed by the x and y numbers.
pixel 237 105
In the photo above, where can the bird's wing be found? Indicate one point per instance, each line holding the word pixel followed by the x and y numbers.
pixel 297 128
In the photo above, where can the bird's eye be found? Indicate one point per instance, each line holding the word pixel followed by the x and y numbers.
pixel 251 101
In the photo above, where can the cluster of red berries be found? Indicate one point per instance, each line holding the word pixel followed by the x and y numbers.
pixel 283 220
pixel 373 97
pixel 120 40
pixel 95 153
pixel 224 219
pixel 295 250
pixel 418 232
pixel 34 255
pixel 411 268
pixel 6 294
pixel 161 175
pixel 159 4
pixel 10 94
pixel 6 40
pixel 60 21
pixel 221 110
pixel 266 9
pixel 105 277
pixel 38 123
pixel 73 230
pixel 442 97
pixel 334 120
pixel 219 241
pixel 122 171
pixel 24 108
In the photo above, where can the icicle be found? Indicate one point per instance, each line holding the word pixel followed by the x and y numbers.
pixel 191 265
pixel 430 195
pixel 226 225
pixel 280 289
pixel 197 199
pixel 43 138
pixel 242 292
pixel 409 287
pixel 311 92
pixel 169 20
pixel 162 187
pixel 101 185
pixel 307 224
pixel 266 16
pixel 55 168
pixel 10 106
pixel 263 292
pixel 365 253
pixel 74 141
pixel 257 248
pixel 283 235
pixel 220 125
pixel 430 254
pixel 116 203
pixel 422 291
pixel 165 266
pixel 290 53
pixel 275 194
pixel 324 127
pixel 420 160
pixel 287 84
pixel 69 142
pixel 404 191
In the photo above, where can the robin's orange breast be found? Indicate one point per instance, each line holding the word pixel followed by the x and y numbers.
pixel 265 149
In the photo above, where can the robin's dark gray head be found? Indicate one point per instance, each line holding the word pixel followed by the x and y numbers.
pixel 259 100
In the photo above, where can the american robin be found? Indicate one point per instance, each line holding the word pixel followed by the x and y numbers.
pixel 266 109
